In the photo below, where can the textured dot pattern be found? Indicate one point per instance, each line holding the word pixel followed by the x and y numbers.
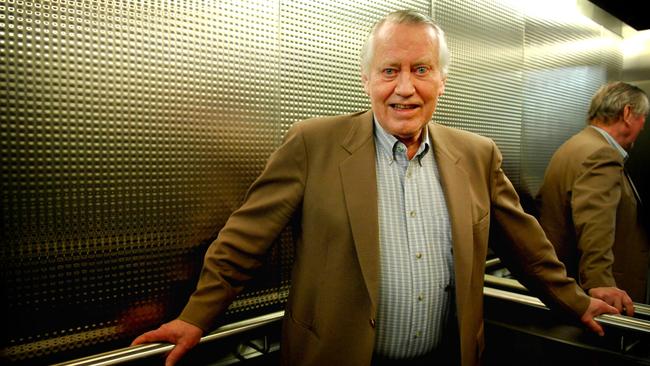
pixel 130 130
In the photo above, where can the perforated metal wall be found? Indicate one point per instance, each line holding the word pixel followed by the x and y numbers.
pixel 130 130
pixel 566 60
pixel 484 91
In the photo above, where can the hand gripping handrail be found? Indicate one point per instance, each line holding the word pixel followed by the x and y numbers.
pixel 147 350
pixel 618 321
pixel 491 280
pixel 502 282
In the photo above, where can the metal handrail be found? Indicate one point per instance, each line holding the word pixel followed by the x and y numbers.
pixel 491 280
pixel 510 283
pixel 618 321
pixel 147 350
pixel 639 308
pixel 132 353
pixel 492 262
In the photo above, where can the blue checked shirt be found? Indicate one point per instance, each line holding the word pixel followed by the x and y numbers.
pixel 416 263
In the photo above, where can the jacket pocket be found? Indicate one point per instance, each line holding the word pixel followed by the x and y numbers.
pixel 300 326
pixel 481 230
pixel 300 344
pixel 480 342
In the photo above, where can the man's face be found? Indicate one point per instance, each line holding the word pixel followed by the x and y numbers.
pixel 403 80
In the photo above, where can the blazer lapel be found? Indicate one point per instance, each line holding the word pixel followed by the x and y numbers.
pixel 455 184
pixel 358 176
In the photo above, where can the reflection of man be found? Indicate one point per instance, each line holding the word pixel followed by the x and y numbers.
pixel 393 215
pixel 587 203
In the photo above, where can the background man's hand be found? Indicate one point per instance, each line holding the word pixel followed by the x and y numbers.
pixel 614 297
pixel 183 334
pixel 596 307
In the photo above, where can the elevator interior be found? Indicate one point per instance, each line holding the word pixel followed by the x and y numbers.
pixel 131 130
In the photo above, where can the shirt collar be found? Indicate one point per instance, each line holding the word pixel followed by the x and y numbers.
pixel 611 141
pixel 391 145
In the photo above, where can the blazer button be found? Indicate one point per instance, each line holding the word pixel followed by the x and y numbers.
pixel 372 322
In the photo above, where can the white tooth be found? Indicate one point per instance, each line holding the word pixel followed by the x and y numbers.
pixel 401 106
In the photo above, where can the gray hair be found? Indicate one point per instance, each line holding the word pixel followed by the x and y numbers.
pixel 609 102
pixel 406 17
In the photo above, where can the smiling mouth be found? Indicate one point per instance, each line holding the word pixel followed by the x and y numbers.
pixel 401 107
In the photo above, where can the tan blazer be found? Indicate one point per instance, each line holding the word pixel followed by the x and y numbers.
pixel 589 212
pixel 323 176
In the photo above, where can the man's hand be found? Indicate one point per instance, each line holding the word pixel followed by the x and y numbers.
pixel 183 334
pixel 596 307
pixel 614 297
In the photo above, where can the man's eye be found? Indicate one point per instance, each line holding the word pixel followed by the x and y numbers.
pixel 421 70
pixel 389 72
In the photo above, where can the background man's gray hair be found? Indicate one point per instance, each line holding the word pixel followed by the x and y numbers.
pixel 610 100
pixel 406 17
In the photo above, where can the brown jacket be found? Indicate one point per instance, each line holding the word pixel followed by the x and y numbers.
pixel 589 212
pixel 323 176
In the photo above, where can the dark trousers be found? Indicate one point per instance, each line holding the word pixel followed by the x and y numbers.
pixel 446 354
pixel 435 358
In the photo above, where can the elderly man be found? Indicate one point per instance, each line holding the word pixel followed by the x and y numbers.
pixel 588 205
pixel 393 215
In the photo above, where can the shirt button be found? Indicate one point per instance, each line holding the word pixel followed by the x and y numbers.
pixel 408 174
pixel 418 255
pixel 420 297
pixel 412 213
pixel 418 334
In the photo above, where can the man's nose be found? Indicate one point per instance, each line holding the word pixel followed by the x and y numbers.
pixel 404 85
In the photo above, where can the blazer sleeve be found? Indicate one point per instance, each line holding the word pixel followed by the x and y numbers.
pixel 596 193
pixel 232 258
pixel 528 253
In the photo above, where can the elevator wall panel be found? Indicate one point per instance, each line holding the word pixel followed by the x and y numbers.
pixel 566 60
pixel 130 130
pixel 131 134
pixel 484 89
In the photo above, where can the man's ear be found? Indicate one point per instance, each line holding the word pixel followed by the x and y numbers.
pixel 443 83
pixel 364 79
pixel 627 113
